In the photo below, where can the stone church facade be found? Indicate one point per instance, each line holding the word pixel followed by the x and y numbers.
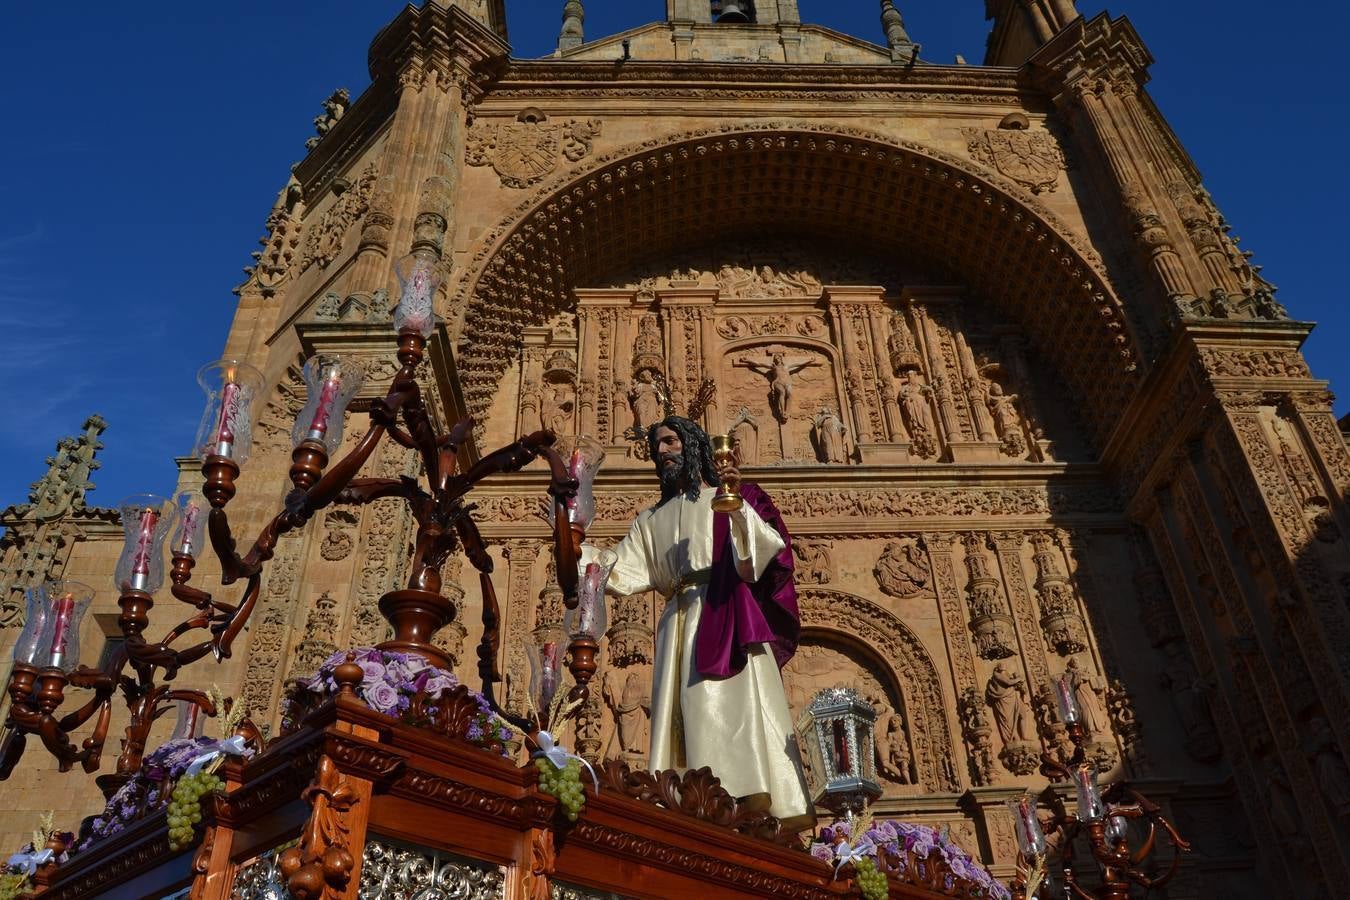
pixel 979 331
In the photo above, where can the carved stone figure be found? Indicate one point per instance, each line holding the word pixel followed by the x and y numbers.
pixel 813 562
pixel 555 408
pixel 1002 407
pixel 779 370
pixel 745 431
pixel 628 693
pixel 902 570
pixel 831 436
pixel 1090 707
pixel 892 745
pixel 1005 695
pixel 914 405
pixel 647 398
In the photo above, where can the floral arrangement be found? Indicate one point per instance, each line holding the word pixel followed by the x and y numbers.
pixel 146 792
pixel 403 686
pixel 899 848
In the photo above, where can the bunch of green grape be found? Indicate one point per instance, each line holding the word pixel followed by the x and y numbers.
pixel 12 884
pixel 564 783
pixel 185 806
pixel 871 882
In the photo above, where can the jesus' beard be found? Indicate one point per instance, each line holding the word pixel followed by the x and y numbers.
pixel 675 478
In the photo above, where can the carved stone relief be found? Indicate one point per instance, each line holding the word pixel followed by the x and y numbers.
pixel 902 571
pixel 323 239
pixel 526 150
pixel 1031 158
pixel 815 563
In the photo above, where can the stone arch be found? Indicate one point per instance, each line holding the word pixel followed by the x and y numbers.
pixel 885 195
pixel 848 618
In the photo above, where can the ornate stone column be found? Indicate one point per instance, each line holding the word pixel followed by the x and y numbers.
pixel 1245 509
pixel 520 557
pixel 1090 70
pixel 975 727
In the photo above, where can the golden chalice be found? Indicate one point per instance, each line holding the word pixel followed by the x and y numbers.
pixel 728 496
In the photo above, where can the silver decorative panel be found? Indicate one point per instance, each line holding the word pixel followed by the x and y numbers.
pixel 392 871
pixel 260 878
pixel 563 891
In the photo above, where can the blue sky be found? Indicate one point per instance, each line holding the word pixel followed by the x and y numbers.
pixel 146 142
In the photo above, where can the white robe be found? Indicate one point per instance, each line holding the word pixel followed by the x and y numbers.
pixel 740 726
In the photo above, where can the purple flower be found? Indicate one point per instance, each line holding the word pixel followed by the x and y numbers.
pixel 822 851
pixel 475 732
pixel 372 668
pixel 381 696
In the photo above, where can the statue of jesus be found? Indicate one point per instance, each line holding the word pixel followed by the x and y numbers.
pixel 730 623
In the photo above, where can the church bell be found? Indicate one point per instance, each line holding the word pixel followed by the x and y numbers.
pixel 736 11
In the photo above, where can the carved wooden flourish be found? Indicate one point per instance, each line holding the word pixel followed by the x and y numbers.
pixel 543 861
pixel 696 793
pixel 320 866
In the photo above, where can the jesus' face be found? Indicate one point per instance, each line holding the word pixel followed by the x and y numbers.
pixel 669 448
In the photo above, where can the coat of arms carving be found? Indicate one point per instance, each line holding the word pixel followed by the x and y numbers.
pixel 526 150
pixel 1030 158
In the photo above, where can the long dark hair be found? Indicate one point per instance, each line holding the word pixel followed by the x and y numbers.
pixel 697 467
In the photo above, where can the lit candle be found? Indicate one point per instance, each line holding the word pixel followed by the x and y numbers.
pixel 62 611
pixel 145 542
pixel 230 397
pixel 332 385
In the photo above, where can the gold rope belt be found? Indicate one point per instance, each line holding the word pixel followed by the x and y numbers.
pixel 693 579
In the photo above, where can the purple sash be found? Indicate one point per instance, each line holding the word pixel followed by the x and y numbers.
pixel 737 614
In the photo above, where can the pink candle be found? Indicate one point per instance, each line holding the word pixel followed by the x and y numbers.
pixel 318 426
pixel 1068 706
pixel 190 514
pixel 229 410
pixel 63 610
pixel 140 563
pixel 575 466
pixel 548 675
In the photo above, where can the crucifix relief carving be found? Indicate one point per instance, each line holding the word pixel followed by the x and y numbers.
pixel 778 369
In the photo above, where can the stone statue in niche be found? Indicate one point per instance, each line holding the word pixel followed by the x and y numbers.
pixel 1090 707
pixel 647 398
pixel 914 405
pixel 1182 684
pixel 745 431
pixel 892 743
pixel 1005 695
pixel 555 408
pixel 831 436
pixel 902 571
pixel 628 693
pixel 813 562
pixel 778 369
pixel 1002 407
